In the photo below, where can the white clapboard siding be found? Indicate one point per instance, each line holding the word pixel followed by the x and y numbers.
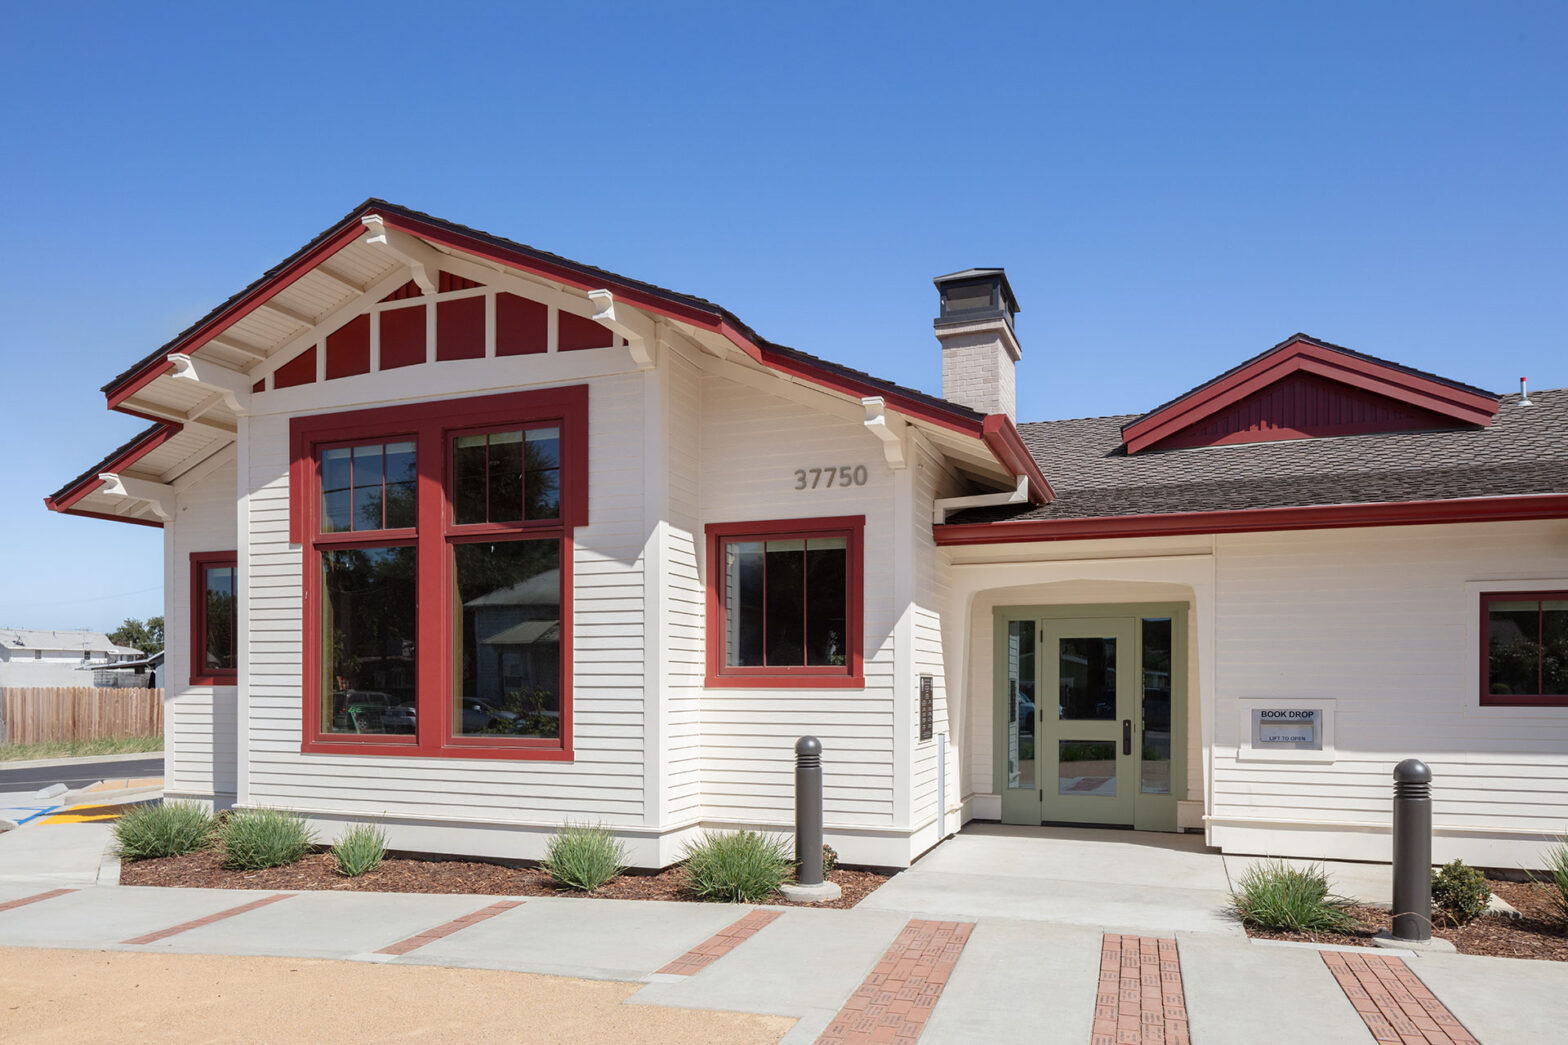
pixel 1385 621
pixel 751 444
pixel 199 721
pixel 685 600
pixel 605 779
pixel 931 481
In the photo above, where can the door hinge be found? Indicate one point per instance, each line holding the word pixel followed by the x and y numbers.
pixel 1042 794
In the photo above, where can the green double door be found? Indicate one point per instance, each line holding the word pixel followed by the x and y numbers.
pixel 1089 714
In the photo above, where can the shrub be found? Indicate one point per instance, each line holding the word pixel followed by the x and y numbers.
pixel 1460 892
pixel 1272 895
pixel 584 856
pixel 745 867
pixel 166 829
pixel 257 838
pixel 1557 876
pixel 360 851
pixel 829 859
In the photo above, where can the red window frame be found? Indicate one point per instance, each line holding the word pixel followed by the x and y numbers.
pixel 1490 699
pixel 201 674
pixel 852 674
pixel 432 426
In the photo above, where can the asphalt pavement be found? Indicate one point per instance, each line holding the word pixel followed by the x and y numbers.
pixel 21 776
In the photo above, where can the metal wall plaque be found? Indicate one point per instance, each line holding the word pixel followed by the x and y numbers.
pixel 1288 729
pixel 927 709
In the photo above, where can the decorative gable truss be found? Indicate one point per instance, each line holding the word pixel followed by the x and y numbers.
pixel 1304 388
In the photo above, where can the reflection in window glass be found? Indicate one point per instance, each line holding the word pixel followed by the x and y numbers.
pixel 369 487
pixel 219 640
pixel 1020 705
pixel 1086 767
pixel 1088 678
pixel 508 658
pixel 787 602
pixel 368 632
pixel 1156 754
pixel 1527 647
pixel 506 477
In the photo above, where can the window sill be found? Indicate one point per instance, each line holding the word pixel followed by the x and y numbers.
pixel 786 682
pixel 215 680
pixel 395 748
pixel 1524 702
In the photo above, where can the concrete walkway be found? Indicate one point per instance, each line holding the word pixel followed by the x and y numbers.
pixel 1025 965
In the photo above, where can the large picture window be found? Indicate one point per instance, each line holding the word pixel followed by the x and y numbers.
pixel 784 603
pixel 1524 655
pixel 438 574
pixel 214 593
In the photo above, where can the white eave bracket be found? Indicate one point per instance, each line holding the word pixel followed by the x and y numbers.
pixel 638 331
pixel 1019 494
pixel 877 424
pixel 423 260
pixel 159 497
pixel 231 386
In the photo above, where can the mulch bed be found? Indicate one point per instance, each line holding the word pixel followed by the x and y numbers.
pixel 205 870
pixel 1538 933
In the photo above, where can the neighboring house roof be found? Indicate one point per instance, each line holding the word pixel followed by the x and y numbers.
pixel 153 661
pixel 68 641
pixel 1523 452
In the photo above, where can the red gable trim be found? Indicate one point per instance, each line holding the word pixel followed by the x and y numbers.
pixel 107 516
pixel 1301 355
pixel 1260 520
pixel 1001 438
pixel 149 442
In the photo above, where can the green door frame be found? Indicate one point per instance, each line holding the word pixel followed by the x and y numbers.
pixel 1025 801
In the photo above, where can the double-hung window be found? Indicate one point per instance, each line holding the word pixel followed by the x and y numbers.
pixel 784 603
pixel 213 602
pixel 437 583
pixel 1524 654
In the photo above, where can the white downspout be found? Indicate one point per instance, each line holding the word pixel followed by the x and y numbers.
pixel 942 505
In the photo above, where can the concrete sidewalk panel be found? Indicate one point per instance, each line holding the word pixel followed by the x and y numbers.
pixel 594 939
pixel 99 918
pixel 323 924
pixel 1133 858
pixel 806 963
pixel 1239 993
pixel 1020 982
pixel 1513 1000
pixel 63 853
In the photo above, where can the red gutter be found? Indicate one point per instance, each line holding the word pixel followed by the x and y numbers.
pixel 1001 435
pixel 1260 520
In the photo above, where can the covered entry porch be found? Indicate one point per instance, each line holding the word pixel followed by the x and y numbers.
pixel 1087 690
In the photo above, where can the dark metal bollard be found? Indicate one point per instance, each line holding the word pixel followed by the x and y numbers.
pixel 808 809
pixel 1412 850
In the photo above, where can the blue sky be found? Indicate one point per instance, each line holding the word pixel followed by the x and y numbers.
pixel 1171 187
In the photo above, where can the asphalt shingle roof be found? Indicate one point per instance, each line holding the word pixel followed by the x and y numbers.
pixel 1525 451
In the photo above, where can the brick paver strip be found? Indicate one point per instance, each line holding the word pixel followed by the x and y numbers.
pixel 1139 999
pixel 892 1005
pixel 719 944
pixel 24 901
pixel 174 930
pixel 1393 1002
pixel 447 929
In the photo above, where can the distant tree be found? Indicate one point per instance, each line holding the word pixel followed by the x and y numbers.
pixel 146 636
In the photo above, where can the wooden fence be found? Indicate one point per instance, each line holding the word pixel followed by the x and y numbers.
pixel 34 715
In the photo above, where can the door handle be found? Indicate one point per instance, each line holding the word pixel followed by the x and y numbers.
pixel 1126 736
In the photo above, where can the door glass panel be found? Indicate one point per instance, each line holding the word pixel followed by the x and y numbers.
pixel 1088 679
pixel 1156 761
pixel 1086 767
pixel 1020 704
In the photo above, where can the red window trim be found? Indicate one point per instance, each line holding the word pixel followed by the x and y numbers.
pixel 852 676
pixel 201 674
pixel 1519 700
pixel 430 425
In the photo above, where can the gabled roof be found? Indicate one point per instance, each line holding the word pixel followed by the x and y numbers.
pixel 1380 394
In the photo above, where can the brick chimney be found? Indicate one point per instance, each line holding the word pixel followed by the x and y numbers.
pixel 979 348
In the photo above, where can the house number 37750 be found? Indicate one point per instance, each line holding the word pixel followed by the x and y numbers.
pixel 840 475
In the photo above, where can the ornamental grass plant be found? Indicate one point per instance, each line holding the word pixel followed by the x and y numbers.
pixel 745 867
pixel 584 856
pixel 1557 877
pixel 257 838
pixel 164 829
pixel 1276 897
pixel 360 850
